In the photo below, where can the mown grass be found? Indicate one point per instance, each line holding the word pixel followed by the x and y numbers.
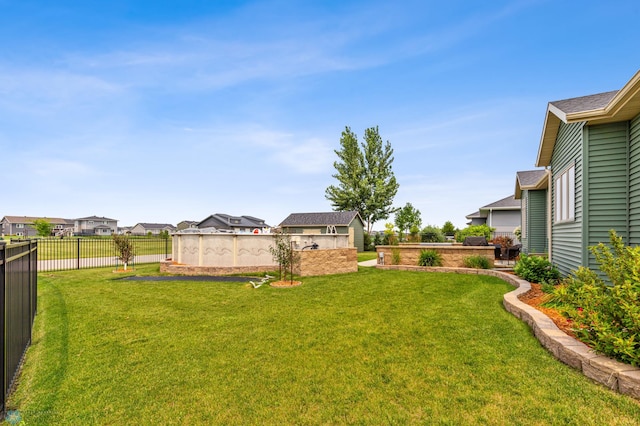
pixel 55 249
pixel 373 347
pixel 366 255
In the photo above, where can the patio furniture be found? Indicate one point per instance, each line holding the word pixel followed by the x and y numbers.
pixel 475 241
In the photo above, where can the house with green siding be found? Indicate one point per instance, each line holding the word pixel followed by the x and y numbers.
pixel 531 190
pixel 345 222
pixel 590 146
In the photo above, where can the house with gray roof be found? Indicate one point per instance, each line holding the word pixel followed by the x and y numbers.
pixel 503 215
pixel 22 226
pixel 344 222
pixel 590 146
pixel 154 229
pixel 95 225
pixel 531 190
pixel 222 222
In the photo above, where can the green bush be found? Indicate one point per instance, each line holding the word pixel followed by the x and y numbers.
pixel 475 231
pixel 536 269
pixel 395 256
pixel 429 258
pixel 476 262
pixel 431 234
pixel 606 317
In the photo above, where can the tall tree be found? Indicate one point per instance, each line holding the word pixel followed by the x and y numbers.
pixel 407 218
pixel 366 182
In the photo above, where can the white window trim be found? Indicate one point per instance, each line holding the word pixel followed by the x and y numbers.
pixel 565 195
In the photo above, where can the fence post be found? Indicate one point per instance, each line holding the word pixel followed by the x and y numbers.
pixel 3 346
pixel 78 239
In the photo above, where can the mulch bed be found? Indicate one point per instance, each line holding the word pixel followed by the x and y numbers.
pixel 536 297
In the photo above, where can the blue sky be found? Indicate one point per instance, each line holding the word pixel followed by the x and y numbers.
pixel 162 111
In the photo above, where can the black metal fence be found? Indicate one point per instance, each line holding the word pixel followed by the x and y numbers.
pixel 57 254
pixel 18 302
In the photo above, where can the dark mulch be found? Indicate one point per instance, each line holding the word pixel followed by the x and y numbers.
pixel 237 279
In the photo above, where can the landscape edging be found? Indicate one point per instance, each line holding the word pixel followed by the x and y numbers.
pixel 615 375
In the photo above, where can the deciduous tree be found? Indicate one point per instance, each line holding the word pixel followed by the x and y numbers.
pixel 366 182
pixel 406 218
pixel 43 227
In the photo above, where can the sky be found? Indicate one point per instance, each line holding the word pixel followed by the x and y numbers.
pixel 164 111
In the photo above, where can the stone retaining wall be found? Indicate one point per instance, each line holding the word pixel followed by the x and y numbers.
pixel 325 262
pixel 617 376
pixel 452 255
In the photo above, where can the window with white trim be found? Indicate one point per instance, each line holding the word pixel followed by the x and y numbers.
pixel 565 195
pixel 331 229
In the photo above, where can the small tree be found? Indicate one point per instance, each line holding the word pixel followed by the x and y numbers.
pixel 389 234
pixel 448 228
pixel 283 253
pixel 43 227
pixel 124 248
pixel 406 218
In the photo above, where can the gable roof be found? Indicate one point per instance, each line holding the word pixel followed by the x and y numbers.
pixel 225 221
pixel 530 179
pixel 31 219
pixel 96 218
pixel 155 225
pixel 343 218
pixel 506 203
pixel 608 107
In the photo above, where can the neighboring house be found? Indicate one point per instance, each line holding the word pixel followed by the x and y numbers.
pixel 239 224
pixel 187 224
pixel 94 225
pixel 591 146
pixel 22 226
pixel 531 190
pixel 152 228
pixel 503 215
pixel 348 222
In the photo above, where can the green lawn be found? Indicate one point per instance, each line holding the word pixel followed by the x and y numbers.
pixel 373 347
pixel 96 247
pixel 366 255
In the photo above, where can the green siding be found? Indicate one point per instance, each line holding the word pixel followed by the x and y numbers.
pixel 537 222
pixel 634 181
pixel 358 240
pixel 607 175
pixel 566 245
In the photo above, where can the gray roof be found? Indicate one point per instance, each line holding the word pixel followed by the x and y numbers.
pixel 225 221
pixel 31 219
pixel 156 225
pixel 320 219
pixel 474 215
pixel 584 103
pixel 530 177
pixel 507 203
pixel 96 218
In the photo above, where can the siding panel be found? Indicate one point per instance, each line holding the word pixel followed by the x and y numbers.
pixel 608 184
pixel 634 181
pixel 566 247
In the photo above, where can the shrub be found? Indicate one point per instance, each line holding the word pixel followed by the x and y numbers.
pixel 606 317
pixel 431 234
pixel 429 258
pixel 474 231
pixel 536 269
pixel 504 241
pixel 395 256
pixel 368 242
pixel 476 262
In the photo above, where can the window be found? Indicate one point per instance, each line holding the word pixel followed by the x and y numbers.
pixel 565 195
pixel 90 223
pixel 331 229
pixel 19 225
